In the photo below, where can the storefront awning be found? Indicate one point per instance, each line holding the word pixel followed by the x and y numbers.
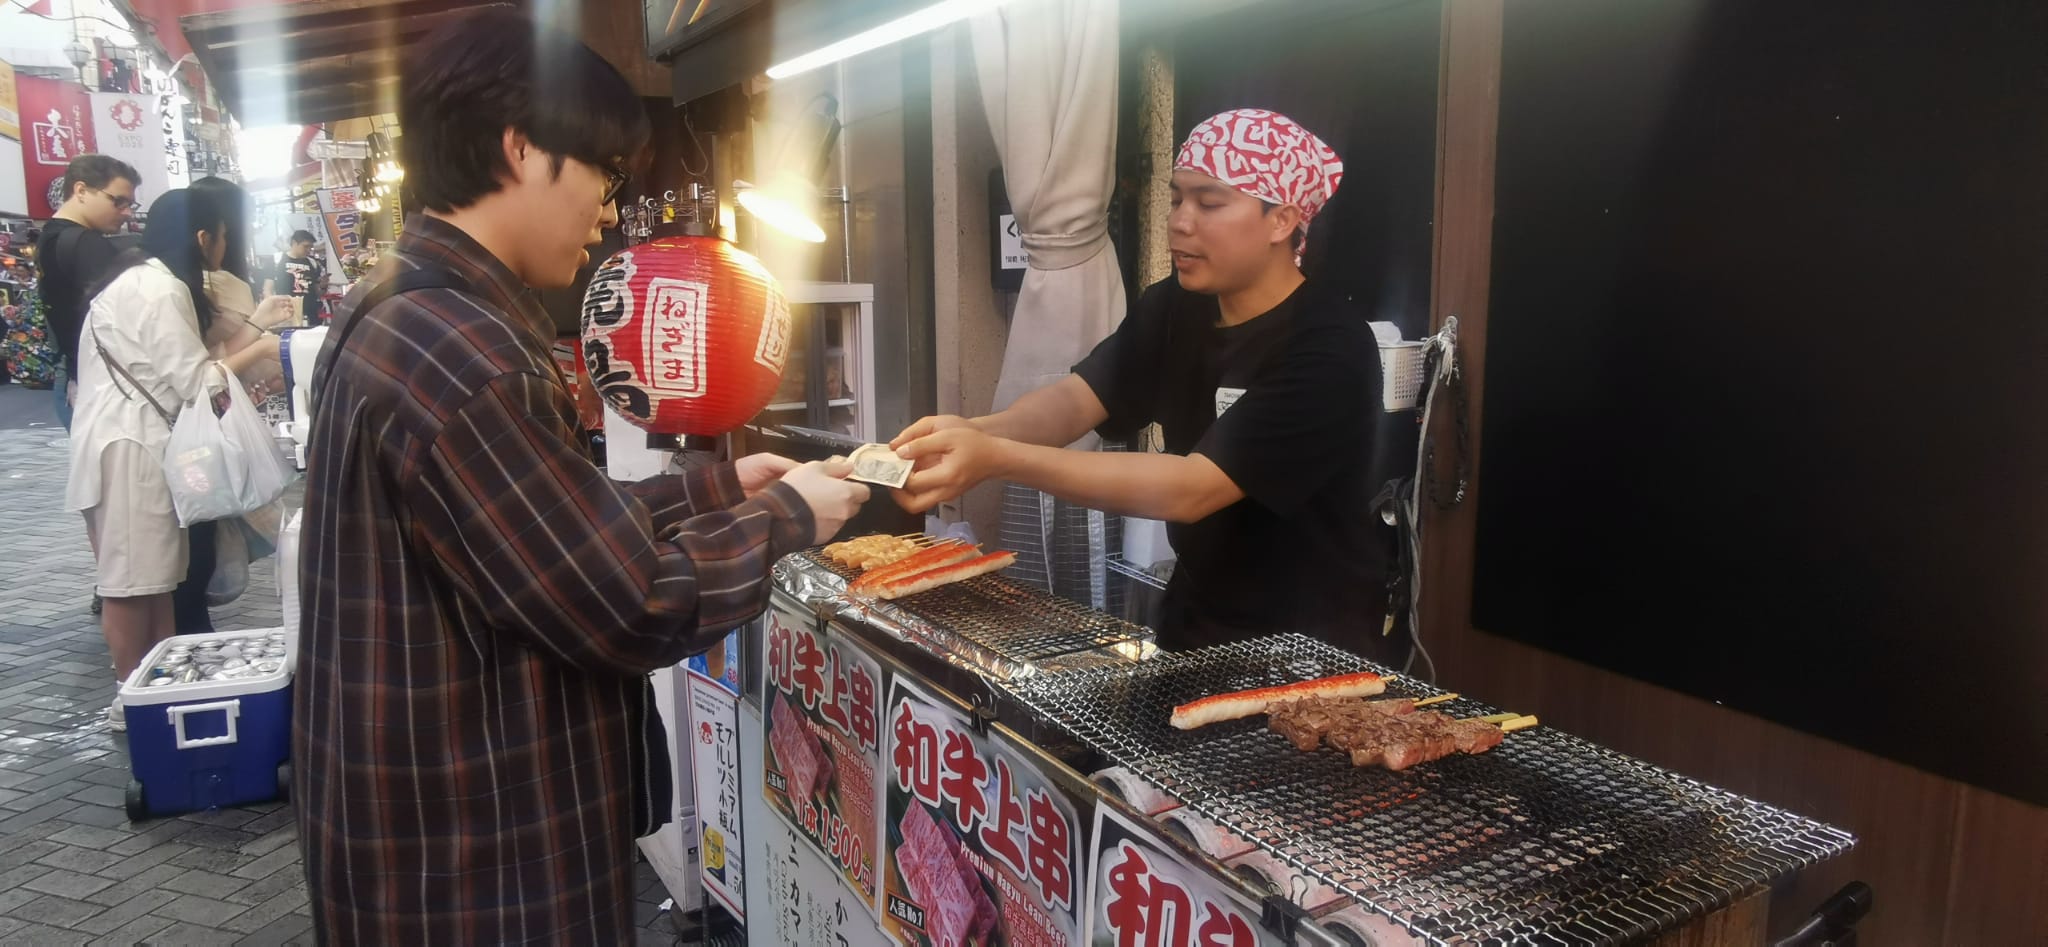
pixel 316 60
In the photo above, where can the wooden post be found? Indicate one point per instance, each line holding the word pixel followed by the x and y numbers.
pixel 1468 124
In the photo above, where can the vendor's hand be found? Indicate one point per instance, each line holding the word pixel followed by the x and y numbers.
pixel 950 462
pixel 932 425
pixel 71 393
pixel 272 312
pixel 760 471
pixel 833 499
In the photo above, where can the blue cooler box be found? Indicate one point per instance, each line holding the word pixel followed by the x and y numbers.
pixel 206 744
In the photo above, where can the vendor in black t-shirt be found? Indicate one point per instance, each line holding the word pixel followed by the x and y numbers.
pixel 1265 394
pixel 300 275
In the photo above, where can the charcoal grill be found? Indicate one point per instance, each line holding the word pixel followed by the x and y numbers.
pixel 1547 839
pixel 1007 629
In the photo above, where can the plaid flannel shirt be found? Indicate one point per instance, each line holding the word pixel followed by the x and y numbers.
pixel 473 730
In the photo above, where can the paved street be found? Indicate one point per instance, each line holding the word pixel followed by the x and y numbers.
pixel 72 868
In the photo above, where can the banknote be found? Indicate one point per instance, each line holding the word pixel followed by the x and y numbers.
pixel 877 464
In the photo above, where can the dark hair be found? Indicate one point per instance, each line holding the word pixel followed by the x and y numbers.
pixel 302 236
pixel 174 220
pixel 234 202
pixel 469 81
pixel 96 172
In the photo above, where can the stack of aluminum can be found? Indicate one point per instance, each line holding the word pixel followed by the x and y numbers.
pixel 220 659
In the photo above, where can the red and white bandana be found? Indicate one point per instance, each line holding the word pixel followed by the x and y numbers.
pixel 1267 155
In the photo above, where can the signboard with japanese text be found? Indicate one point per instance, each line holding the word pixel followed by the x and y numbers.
pixel 344 222
pixel 134 129
pixel 1142 894
pixel 57 127
pixel 715 752
pixel 982 847
pixel 796 900
pixel 822 762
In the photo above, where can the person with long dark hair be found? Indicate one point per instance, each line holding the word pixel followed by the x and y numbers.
pixel 142 357
pixel 237 323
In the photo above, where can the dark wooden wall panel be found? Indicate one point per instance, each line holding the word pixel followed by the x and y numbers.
pixel 1741 440
pixel 1951 864
pixel 1998 883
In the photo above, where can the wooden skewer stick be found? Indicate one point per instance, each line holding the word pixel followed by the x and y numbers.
pixel 1496 718
pixel 1438 699
pixel 1519 723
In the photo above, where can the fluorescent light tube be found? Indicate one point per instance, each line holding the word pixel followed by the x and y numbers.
pixel 896 30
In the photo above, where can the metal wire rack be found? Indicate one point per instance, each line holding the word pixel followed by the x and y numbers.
pixel 1011 621
pixel 1546 839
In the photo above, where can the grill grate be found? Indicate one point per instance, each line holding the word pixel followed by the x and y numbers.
pixel 1011 621
pixel 1546 839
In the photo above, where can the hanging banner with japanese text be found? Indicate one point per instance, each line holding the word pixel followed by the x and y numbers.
pixel 57 125
pixel 147 132
pixel 983 848
pixel 822 728
pixel 715 757
pixel 1143 894
pixel 338 211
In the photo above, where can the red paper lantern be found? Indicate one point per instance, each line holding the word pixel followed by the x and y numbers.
pixel 685 335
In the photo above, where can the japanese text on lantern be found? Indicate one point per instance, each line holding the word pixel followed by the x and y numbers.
pixel 771 351
pixel 948 768
pixel 1147 909
pixel 674 342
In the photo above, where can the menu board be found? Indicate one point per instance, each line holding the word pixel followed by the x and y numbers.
pixel 715 755
pixel 982 847
pixel 821 725
pixel 1142 893
pixel 796 901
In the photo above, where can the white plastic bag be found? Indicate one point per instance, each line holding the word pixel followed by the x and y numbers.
pixel 220 467
pixel 230 564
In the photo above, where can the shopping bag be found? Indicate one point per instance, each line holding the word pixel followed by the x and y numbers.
pixel 222 465
pixel 230 564
pixel 261 526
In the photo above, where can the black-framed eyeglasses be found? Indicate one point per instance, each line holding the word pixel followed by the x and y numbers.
pixel 615 179
pixel 120 203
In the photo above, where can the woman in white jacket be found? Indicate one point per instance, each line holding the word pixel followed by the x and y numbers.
pixel 143 357
pixel 238 322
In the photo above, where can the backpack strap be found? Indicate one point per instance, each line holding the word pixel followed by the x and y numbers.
pixel 426 276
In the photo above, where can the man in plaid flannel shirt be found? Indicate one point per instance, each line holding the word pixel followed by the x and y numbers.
pixel 474 741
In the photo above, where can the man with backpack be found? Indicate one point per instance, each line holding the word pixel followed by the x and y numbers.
pixel 74 252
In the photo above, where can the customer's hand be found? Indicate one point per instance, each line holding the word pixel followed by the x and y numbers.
pixel 272 312
pixel 833 499
pixel 758 472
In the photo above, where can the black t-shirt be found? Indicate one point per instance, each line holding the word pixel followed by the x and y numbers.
pixel 67 267
pixel 299 278
pixel 1285 405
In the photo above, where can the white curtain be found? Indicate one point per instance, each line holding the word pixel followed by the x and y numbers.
pixel 1048 83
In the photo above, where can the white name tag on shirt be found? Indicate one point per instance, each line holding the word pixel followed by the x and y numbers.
pixel 1225 397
